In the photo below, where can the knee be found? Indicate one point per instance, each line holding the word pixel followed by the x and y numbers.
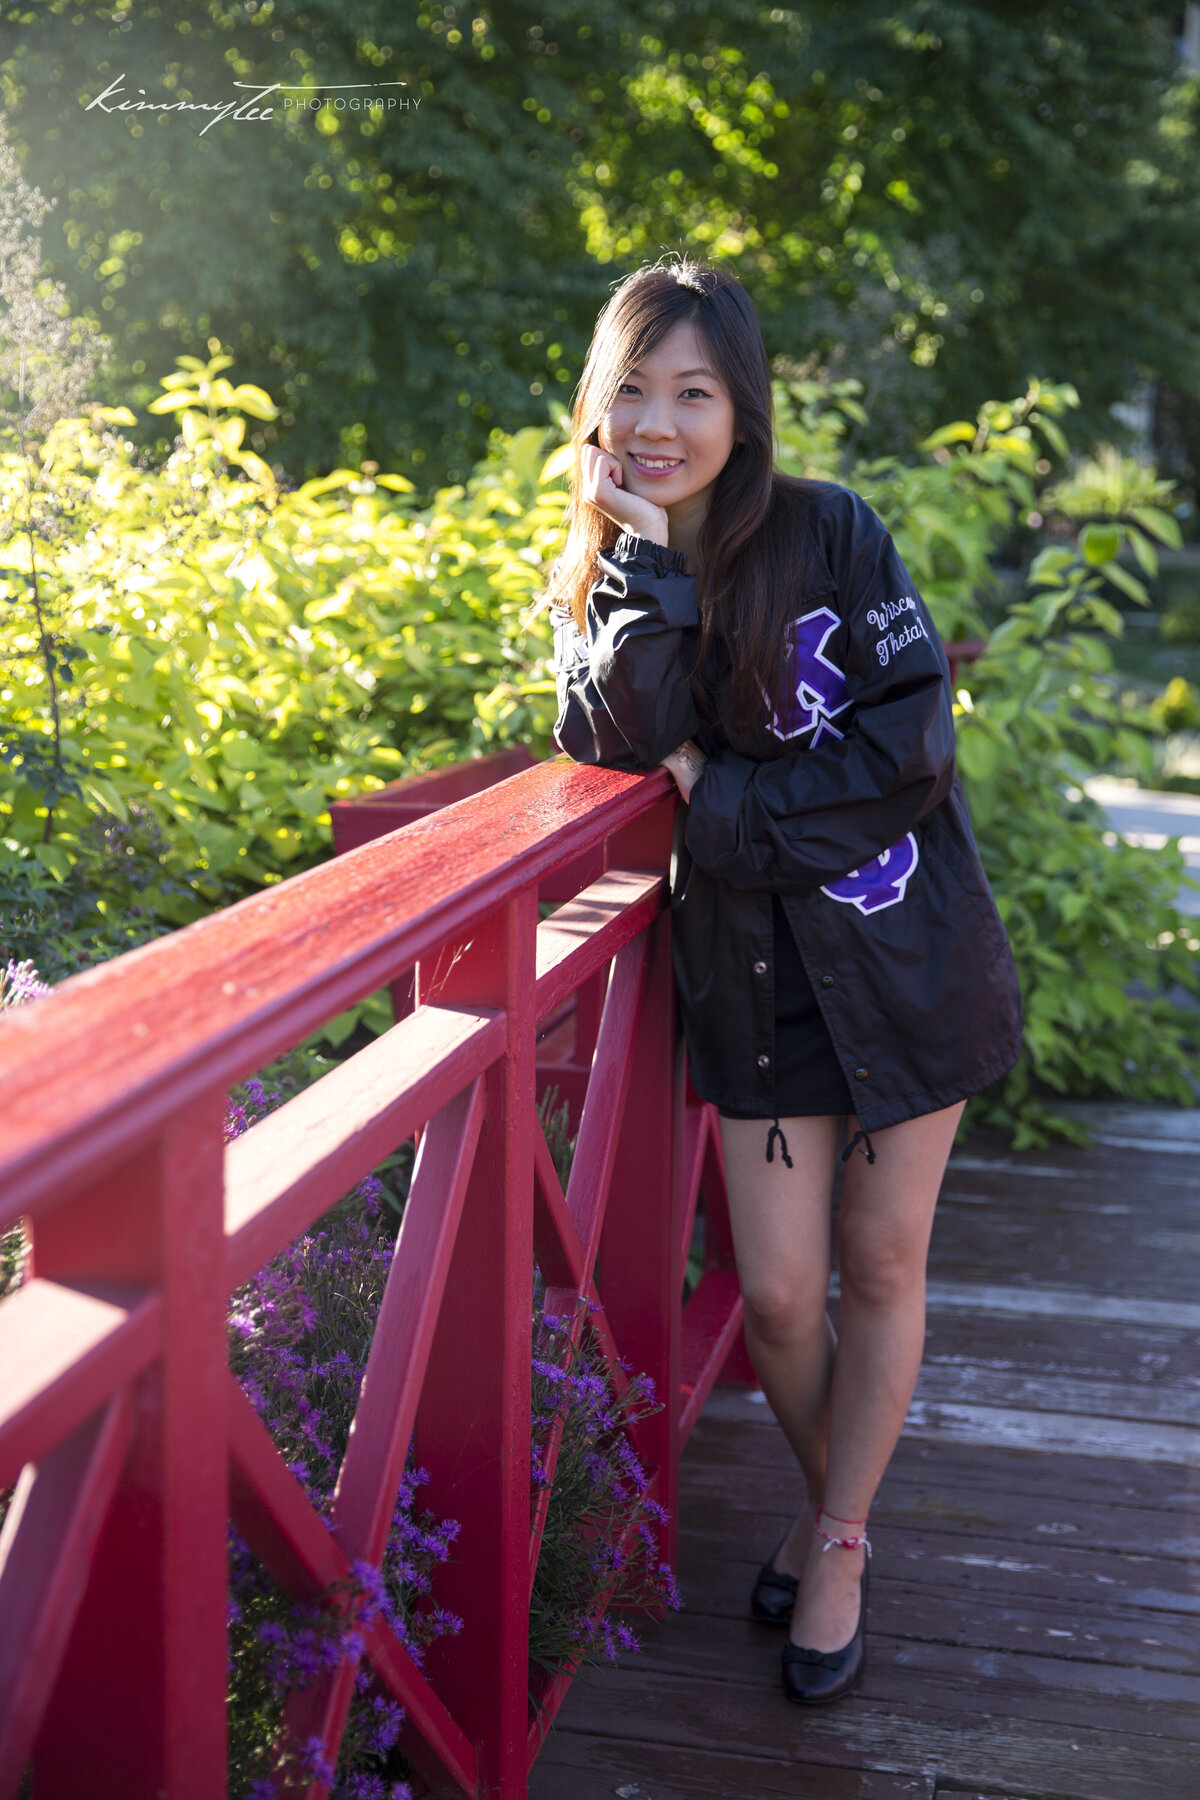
pixel 878 1271
pixel 780 1308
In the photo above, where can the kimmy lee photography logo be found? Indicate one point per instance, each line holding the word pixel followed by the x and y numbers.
pixel 294 101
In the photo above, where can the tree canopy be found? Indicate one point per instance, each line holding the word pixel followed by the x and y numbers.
pixel 940 196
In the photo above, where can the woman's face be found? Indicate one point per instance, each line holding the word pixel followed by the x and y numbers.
pixel 672 424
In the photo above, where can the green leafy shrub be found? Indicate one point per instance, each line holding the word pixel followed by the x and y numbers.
pixel 1108 485
pixel 947 514
pixel 1180 623
pixel 1094 922
pixel 240 655
pixel 254 652
pixel 1177 708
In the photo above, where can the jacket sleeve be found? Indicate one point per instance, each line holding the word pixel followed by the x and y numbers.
pixel 624 695
pixel 811 815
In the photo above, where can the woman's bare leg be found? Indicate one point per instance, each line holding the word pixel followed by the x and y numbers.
pixel 884 1224
pixel 782 1240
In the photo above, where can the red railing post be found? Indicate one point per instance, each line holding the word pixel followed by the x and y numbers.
pixel 138 1708
pixel 473 1432
pixel 639 1274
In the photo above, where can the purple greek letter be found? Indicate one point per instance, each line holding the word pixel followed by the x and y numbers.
pixel 819 691
pixel 879 883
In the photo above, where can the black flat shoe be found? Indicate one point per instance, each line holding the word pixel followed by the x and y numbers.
pixel 815 1677
pixel 774 1593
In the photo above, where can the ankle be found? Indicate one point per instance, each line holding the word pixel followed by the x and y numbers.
pixel 846 1534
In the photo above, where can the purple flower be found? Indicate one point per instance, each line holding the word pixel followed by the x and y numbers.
pixel 316 1764
pixel 19 984
pixel 299 1335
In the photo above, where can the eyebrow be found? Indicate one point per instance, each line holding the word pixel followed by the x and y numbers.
pixel 680 374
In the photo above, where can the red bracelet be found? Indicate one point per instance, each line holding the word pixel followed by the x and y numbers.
pixel 847 1543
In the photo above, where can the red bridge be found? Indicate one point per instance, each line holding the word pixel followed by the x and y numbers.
pixel 130 1442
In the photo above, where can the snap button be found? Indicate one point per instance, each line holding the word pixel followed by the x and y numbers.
pixel 760 968
pixel 764 1061
pixel 827 981
pixel 860 1074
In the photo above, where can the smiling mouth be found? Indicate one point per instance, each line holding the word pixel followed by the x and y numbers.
pixel 656 463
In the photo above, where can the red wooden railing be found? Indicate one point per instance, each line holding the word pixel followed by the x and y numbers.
pixel 963 650
pixel 128 1440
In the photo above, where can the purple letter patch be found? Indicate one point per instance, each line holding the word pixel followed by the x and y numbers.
pixel 818 687
pixel 880 882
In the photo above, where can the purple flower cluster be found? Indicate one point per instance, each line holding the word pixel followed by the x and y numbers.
pixel 19 984
pixel 299 1336
pixel 600 1541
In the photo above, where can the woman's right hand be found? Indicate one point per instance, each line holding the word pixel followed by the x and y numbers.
pixel 603 488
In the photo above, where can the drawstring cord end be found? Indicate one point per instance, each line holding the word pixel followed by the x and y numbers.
pixel 868 1150
pixel 783 1149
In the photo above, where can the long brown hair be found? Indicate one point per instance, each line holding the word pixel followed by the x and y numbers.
pixel 756 545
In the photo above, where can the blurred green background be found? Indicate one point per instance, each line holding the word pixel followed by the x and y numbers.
pixel 941 198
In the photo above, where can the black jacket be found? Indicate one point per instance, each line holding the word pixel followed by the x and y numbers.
pixel 853 814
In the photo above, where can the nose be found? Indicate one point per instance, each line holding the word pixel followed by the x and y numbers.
pixel 655 421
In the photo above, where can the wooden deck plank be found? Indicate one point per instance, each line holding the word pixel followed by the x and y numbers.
pixel 1012 1565
pixel 1004 1501
pixel 1057 1423
pixel 1055 1687
pixel 931 1467
pixel 1035 1614
pixel 1147 1357
pixel 576 1767
pixel 994 1614
pixel 951 1732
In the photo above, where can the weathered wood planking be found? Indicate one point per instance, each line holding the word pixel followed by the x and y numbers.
pixel 986 1613
pixel 575 1768
pixel 1035 1611
pixel 956 1731
pixel 1002 1510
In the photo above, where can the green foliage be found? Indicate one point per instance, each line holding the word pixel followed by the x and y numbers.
pixel 555 1122
pixel 242 655
pixel 946 514
pixel 1125 503
pixel 1180 624
pixel 14 1257
pixel 929 187
pixel 255 651
pixel 814 421
pixel 1094 924
pixel 1109 485
pixel 1177 708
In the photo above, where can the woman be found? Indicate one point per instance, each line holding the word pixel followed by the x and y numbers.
pixel 840 962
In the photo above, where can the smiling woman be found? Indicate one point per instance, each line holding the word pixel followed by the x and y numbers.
pixel 667 436
pixel 838 954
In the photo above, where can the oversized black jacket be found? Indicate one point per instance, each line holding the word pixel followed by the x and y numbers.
pixel 853 814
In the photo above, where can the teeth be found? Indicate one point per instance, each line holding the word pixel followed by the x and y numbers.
pixel 658 462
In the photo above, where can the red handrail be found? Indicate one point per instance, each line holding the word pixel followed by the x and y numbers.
pixel 131 1441
pixel 960 651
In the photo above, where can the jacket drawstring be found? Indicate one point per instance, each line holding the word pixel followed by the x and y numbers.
pixel 783 1149
pixel 868 1152
pixel 777 1128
